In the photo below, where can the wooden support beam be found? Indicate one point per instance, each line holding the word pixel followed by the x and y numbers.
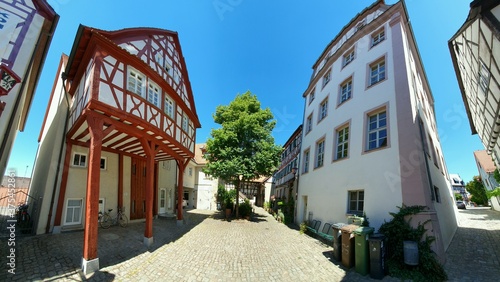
pixel 93 182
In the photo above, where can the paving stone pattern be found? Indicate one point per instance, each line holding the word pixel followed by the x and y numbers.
pixel 208 248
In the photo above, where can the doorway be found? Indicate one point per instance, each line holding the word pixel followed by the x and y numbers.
pixel 137 189
pixel 304 212
pixel 163 200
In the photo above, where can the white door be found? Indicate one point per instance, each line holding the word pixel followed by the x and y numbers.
pixel 163 200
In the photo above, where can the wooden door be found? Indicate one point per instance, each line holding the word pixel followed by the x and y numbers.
pixel 138 189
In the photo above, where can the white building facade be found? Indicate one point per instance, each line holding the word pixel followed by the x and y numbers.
pixel 369 141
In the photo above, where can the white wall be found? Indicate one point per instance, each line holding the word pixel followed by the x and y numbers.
pixel 167 176
pixel 327 187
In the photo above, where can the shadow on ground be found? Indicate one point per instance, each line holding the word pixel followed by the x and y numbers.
pixel 51 257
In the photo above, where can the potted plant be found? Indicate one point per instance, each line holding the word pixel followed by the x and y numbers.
pixel 245 209
pixel 225 199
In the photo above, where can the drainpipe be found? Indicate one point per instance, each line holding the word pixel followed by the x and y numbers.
pixel 63 138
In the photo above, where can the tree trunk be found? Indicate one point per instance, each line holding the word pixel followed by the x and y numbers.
pixel 237 204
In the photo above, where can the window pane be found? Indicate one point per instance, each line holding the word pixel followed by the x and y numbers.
pixel 74 203
pixel 372 145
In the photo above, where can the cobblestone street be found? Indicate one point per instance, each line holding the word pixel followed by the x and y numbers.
pixel 474 253
pixel 208 248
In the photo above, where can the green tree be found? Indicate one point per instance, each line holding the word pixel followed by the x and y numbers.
pixel 477 190
pixel 243 148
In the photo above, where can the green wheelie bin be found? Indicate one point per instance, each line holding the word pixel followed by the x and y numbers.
pixel 362 255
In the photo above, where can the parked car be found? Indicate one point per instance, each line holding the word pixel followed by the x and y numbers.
pixel 461 205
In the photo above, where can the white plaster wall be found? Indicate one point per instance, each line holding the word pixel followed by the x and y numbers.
pixel 167 176
pixel 46 162
pixel 189 179
pixel 127 178
pixel 77 183
pixel 206 191
pixel 327 187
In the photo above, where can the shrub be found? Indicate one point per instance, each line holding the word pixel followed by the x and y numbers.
pixel 398 230
pixel 245 209
pixel 303 227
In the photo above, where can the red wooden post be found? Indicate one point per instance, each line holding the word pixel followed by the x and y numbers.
pixel 90 261
pixel 150 164
pixel 150 149
pixel 180 189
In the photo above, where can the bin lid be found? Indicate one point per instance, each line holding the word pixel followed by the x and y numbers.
pixel 376 237
pixel 349 228
pixel 338 225
pixel 364 230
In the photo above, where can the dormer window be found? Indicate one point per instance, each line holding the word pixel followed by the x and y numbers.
pixel 361 24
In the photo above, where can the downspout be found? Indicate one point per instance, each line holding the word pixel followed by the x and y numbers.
pixel 63 138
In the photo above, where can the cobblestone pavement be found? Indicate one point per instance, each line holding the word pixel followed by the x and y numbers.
pixel 208 248
pixel 474 253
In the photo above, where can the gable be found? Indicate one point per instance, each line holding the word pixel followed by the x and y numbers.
pixel 161 52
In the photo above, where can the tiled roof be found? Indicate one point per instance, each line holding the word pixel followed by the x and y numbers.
pixel 485 161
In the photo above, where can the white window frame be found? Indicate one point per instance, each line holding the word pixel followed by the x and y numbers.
pixel 138 80
pixel 67 210
pixel 380 128
pixel 345 91
pixel 342 142
pixel 185 122
pixel 154 94
pixel 377 72
pixel 323 109
pixel 319 160
pixel 349 57
pixel 357 202
pixel 327 77
pixel 311 95
pixel 105 166
pixel 309 123
pixel 169 106
pixel 79 162
pixel 378 37
pixel 484 77
pixel 307 154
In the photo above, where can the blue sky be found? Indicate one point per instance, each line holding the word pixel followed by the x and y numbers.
pixel 267 47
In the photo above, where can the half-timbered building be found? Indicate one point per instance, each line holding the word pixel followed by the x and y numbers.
pixel 26 30
pixel 121 121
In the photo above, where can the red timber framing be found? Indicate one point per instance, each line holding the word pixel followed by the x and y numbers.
pixel 107 116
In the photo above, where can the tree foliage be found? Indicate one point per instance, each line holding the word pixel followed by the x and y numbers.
pixel 495 192
pixel 477 190
pixel 243 145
